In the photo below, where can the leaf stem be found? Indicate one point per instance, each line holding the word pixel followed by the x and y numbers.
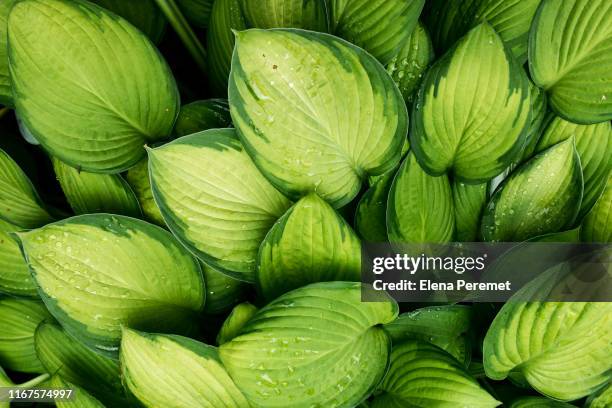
pixel 34 381
pixel 184 31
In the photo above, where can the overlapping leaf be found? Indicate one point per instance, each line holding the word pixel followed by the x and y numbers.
pixel 420 207
pixel 214 199
pixel 371 213
pixel 306 14
pixel 381 27
pixel 444 326
pixel 597 225
pixel 222 291
pixel 202 115
pixel 309 243
pixel 460 124
pixel 96 193
pixel 314 112
pixel 81 398
pixel 164 370
pixel 469 202
pixel 601 399
pixel 15 276
pixel 19 319
pixel 82 108
pixel 62 355
pixel 287 355
pixel 99 272
pixel 570 56
pixel 594 146
pixel 138 179
pixel 538 122
pixel 144 14
pixel 561 349
pixel 6 92
pixel 538 402
pixel 540 197
pixel 235 321
pixel 449 20
pixel 19 201
pixel 422 376
pixel 197 11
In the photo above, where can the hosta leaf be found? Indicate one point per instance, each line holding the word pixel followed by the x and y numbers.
pixel 420 207
pixel 450 20
pixel 314 112
pixel 99 272
pixel 6 92
pixel 371 214
pixel 222 291
pixel 143 14
pixel 444 326
pixel 15 278
pixel 307 14
pixel 94 193
pixel 569 56
pixel 19 202
pixel 64 356
pixel 310 243
pixel 594 146
pixel 81 399
pixel 19 319
pixel 411 61
pixel 138 179
pixel 469 202
pixel 601 399
pixel 538 402
pixel 597 225
pixel 288 355
pixel 226 15
pixel 5 381
pixel 197 11
pixel 561 349
pixel 460 125
pixel 538 115
pixel 214 199
pixel 542 196
pixel 84 110
pixel 239 316
pixel 381 27
pixel 164 371
pixel 202 115
pixel 422 375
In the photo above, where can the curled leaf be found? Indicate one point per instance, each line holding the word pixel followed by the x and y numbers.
pixel 138 179
pixel 371 214
pixel 317 114
pixel 309 243
pixel 597 225
pixel 222 291
pixel 469 202
pixel 15 278
pixel 235 321
pixel 202 115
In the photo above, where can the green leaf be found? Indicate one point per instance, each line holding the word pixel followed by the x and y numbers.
pixel 601 399
pixel 19 201
pixel 315 346
pixel 64 356
pixel 310 243
pixel 597 225
pixel 226 15
pixel 444 326
pixel 202 115
pixel 197 11
pixel 317 114
pixel 235 321
pixel 143 14
pixel 569 56
pixel 538 402
pixel 538 115
pixel 469 202
pixel 460 125
pixel 540 197
pixel 19 319
pixel 222 291
pixel 6 92
pixel 84 110
pixel 306 14
pixel 154 368
pixel 450 20
pixel 81 399
pixel 96 193
pixel 99 272
pixel 594 146
pixel 411 61
pixel 424 376
pixel 371 214
pixel 561 349
pixel 381 27
pixel 15 278
pixel 5 381
pixel 138 179
pixel 214 199
pixel 420 207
